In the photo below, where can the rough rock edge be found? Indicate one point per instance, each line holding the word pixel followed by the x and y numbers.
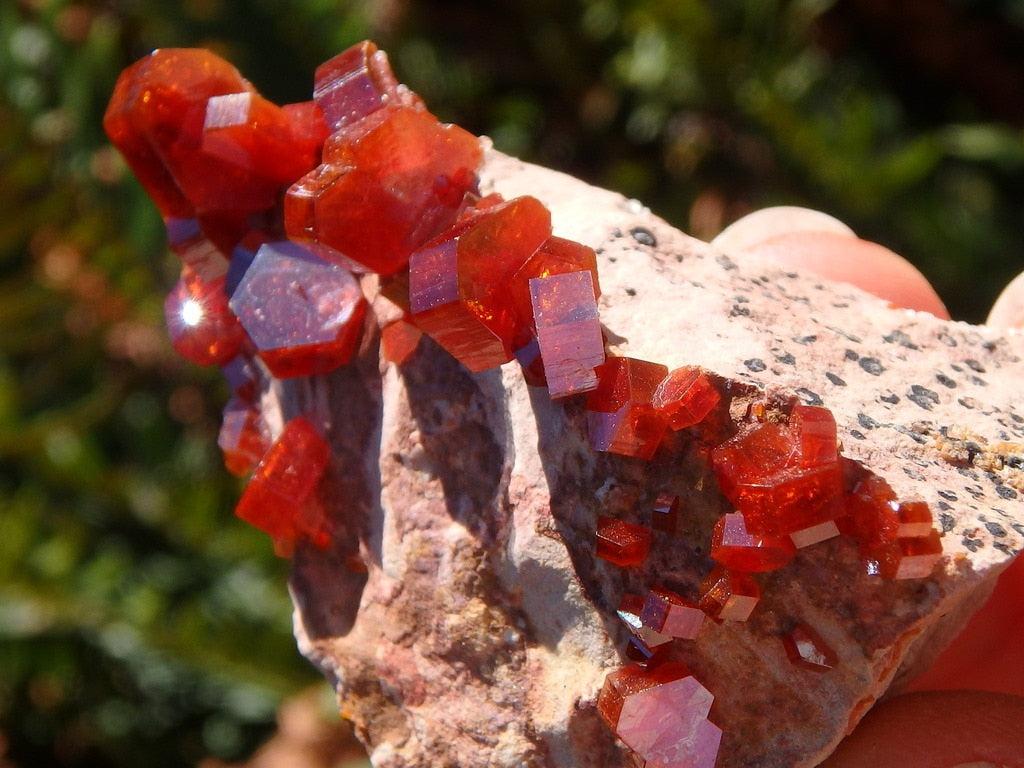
pixel 485 628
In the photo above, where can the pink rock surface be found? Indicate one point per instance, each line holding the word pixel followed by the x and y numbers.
pixel 483 630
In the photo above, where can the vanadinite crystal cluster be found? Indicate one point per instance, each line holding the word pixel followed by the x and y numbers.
pixel 279 214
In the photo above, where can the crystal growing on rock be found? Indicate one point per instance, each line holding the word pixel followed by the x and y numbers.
pixel 729 595
pixel 195 249
pixel 661 714
pixel 568 331
pixel 354 84
pixel 458 284
pixel 779 489
pixel 816 427
pixel 398 340
pixel 243 437
pixel 913 558
pixel 202 328
pixel 278 499
pixel 686 396
pixel 665 513
pixel 386 191
pixel 734 547
pixel 630 609
pixel 557 256
pixel 805 648
pixel 622 543
pixel 671 614
pixel 620 416
pixel 305 316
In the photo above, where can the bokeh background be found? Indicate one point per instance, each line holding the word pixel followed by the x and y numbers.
pixel 140 623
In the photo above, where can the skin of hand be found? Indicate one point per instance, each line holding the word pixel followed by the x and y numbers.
pixel 968 708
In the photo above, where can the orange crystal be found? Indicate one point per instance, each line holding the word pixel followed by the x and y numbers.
pixel 729 595
pixel 686 396
pixel 620 416
pixel 622 543
pixel 739 550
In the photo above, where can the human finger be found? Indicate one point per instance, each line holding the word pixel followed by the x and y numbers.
pixel 1008 311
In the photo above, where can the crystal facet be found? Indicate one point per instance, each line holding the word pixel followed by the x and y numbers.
pixel 398 340
pixel 622 543
pixel 806 649
pixel 661 713
pixel 729 595
pixel 557 256
pixel 458 284
pixel 385 192
pixel 686 396
pixel 905 558
pixel 353 84
pixel 243 437
pixel 764 472
pixel 671 614
pixel 620 417
pixel 630 610
pixel 665 513
pixel 201 326
pixel 739 550
pixel 568 331
pixel 279 497
pixel 304 315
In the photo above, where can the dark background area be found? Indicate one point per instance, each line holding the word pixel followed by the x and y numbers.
pixel 140 623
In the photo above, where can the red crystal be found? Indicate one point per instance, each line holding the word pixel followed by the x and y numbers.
pixel 622 543
pixel 875 517
pixel 806 649
pixel 276 498
pixel 814 534
pixel 915 519
pixel 201 326
pixel 665 513
pixel 671 614
pixel 309 129
pixel 739 550
pixel 629 611
pixel 529 359
pixel 620 417
pixel 234 161
pixel 398 340
pixel 241 377
pixel 246 131
pixel 385 192
pixel 686 396
pixel 761 470
pixel 660 712
pixel 729 595
pixel 195 249
pixel 568 331
pixel 904 558
pixel 816 427
pixel 243 437
pixel 458 284
pixel 557 256
pixel 355 83
pixel 304 315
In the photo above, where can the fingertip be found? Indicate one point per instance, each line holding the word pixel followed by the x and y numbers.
pixel 1008 311
pixel 937 730
pixel 842 258
pixel 767 223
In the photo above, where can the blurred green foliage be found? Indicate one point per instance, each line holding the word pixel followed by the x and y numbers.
pixel 140 623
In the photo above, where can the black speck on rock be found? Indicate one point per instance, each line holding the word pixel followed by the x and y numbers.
pixel 996 530
pixel 837 380
pixel 948 495
pixel 968 402
pixel 947 522
pixel 972 544
pixel 899 337
pixel 892 398
pixel 738 311
pixel 755 364
pixel 872 365
pixel 945 381
pixel 808 397
pixel 805 340
pixel 631 291
pixel 922 396
pixel 1006 492
pixel 786 359
pixel 644 237
pixel 725 262
pixel 975 366
pixel 857 434
pixel 851 355
pixel 866 421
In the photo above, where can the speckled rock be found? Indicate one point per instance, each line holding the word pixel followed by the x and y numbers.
pixel 484 627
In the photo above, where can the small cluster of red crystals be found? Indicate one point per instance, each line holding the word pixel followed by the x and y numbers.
pixel 661 713
pixel 275 212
